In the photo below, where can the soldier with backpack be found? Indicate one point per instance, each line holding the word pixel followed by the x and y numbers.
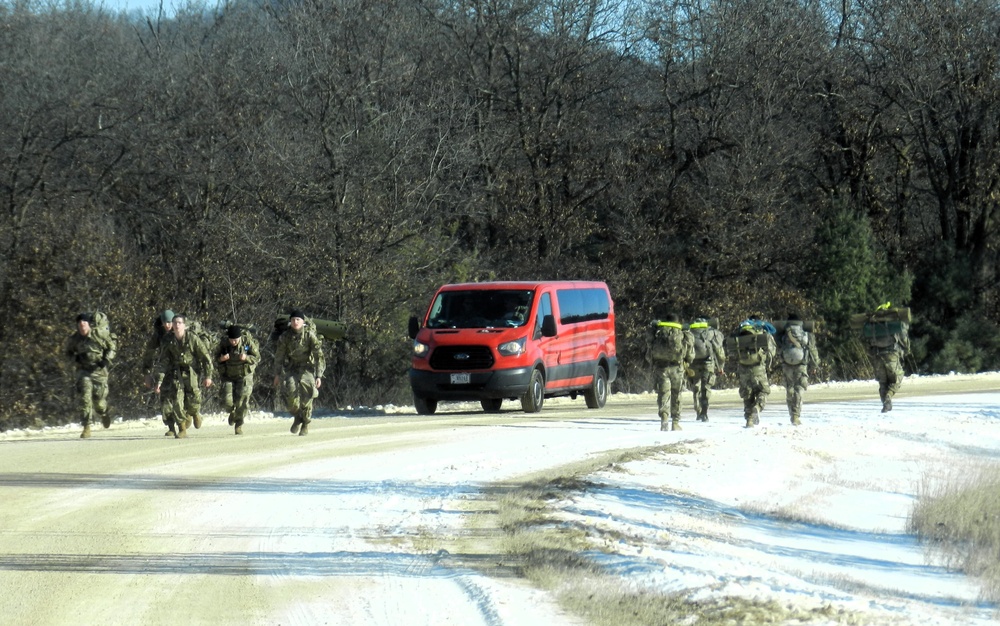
pixel 183 358
pixel 237 356
pixel 163 326
pixel 754 347
pixel 798 355
pixel 299 356
pixel 887 339
pixel 709 360
pixel 671 350
pixel 92 348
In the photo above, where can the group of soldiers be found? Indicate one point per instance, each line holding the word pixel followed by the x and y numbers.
pixel 694 355
pixel 178 363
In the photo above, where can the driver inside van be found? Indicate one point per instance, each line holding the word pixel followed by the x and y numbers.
pixel 515 313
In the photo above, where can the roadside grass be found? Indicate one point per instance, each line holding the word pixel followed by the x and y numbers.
pixel 517 526
pixel 957 517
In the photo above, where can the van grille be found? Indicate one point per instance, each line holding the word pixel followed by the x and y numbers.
pixel 462 358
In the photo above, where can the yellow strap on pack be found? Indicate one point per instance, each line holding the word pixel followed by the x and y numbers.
pixel 698 325
pixel 883 307
pixel 669 324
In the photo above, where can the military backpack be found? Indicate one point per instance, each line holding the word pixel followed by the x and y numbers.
pixel 794 345
pixel 668 342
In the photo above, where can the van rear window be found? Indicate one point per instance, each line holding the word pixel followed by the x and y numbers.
pixel 582 305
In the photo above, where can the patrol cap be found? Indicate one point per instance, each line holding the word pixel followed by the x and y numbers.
pixel 299 313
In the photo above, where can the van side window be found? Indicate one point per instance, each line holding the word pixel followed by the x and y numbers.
pixel 544 308
pixel 582 305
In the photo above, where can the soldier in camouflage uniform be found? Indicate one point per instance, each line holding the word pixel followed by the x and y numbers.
pixel 798 356
pixel 162 328
pixel 237 357
pixel 671 351
pixel 752 367
pixel 887 351
pixel 182 358
pixel 702 374
pixel 92 356
pixel 299 356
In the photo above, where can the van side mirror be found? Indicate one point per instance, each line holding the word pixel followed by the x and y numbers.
pixel 548 326
pixel 414 327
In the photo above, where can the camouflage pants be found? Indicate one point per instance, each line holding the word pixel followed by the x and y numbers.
pixel 701 385
pixel 298 391
pixel 180 397
pixel 669 384
pixel 236 397
pixel 796 382
pixel 754 388
pixel 889 373
pixel 92 395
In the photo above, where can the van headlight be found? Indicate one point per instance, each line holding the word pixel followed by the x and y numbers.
pixel 420 349
pixel 512 348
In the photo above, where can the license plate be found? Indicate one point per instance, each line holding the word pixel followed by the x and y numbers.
pixel 460 379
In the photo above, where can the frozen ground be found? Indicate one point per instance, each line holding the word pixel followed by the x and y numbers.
pixel 338 527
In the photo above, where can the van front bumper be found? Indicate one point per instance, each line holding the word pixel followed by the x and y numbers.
pixel 492 384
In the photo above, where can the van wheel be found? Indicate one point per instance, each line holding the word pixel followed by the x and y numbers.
pixel 491 405
pixel 597 394
pixel 425 406
pixel 531 401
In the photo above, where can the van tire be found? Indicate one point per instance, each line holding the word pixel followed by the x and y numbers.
pixel 491 405
pixel 425 406
pixel 597 394
pixel 534 396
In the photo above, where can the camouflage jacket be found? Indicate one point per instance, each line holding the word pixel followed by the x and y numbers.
pixel 299 352
pixel 88 352
pixel 154 344
pixel 233 367
pixel 178 356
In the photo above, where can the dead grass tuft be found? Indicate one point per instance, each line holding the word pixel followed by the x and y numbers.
pixel 957 517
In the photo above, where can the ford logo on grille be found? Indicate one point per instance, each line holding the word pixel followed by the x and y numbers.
pixel 461 356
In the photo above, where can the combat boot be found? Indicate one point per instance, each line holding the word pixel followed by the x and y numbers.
pixel 232 420
pixel 170 430
pixel 181 431
pixel 106 421
pixel 663 425
pixel 887 404
pixel 296 425
pixel 756 416
pixel 796 421
pixel 86 432
pixel 305 429
pixel 675 424
pixel 186 423
pixel 197 420
pixel 239 428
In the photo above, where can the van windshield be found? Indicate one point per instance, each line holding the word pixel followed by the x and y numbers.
pixel 480 309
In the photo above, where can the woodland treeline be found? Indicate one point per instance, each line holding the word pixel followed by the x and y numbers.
pixel 711 157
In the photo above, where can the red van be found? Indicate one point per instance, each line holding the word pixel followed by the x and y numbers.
pixel 518 340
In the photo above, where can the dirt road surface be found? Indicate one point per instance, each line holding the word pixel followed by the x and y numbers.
pixel 131 527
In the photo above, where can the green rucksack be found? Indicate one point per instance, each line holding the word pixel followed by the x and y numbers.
pixel 751 345
pixel 101 332
pixel 199 330
pixel 668 342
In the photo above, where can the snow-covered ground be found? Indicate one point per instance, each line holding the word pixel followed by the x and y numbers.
pixel 810 516
pixel 339 527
